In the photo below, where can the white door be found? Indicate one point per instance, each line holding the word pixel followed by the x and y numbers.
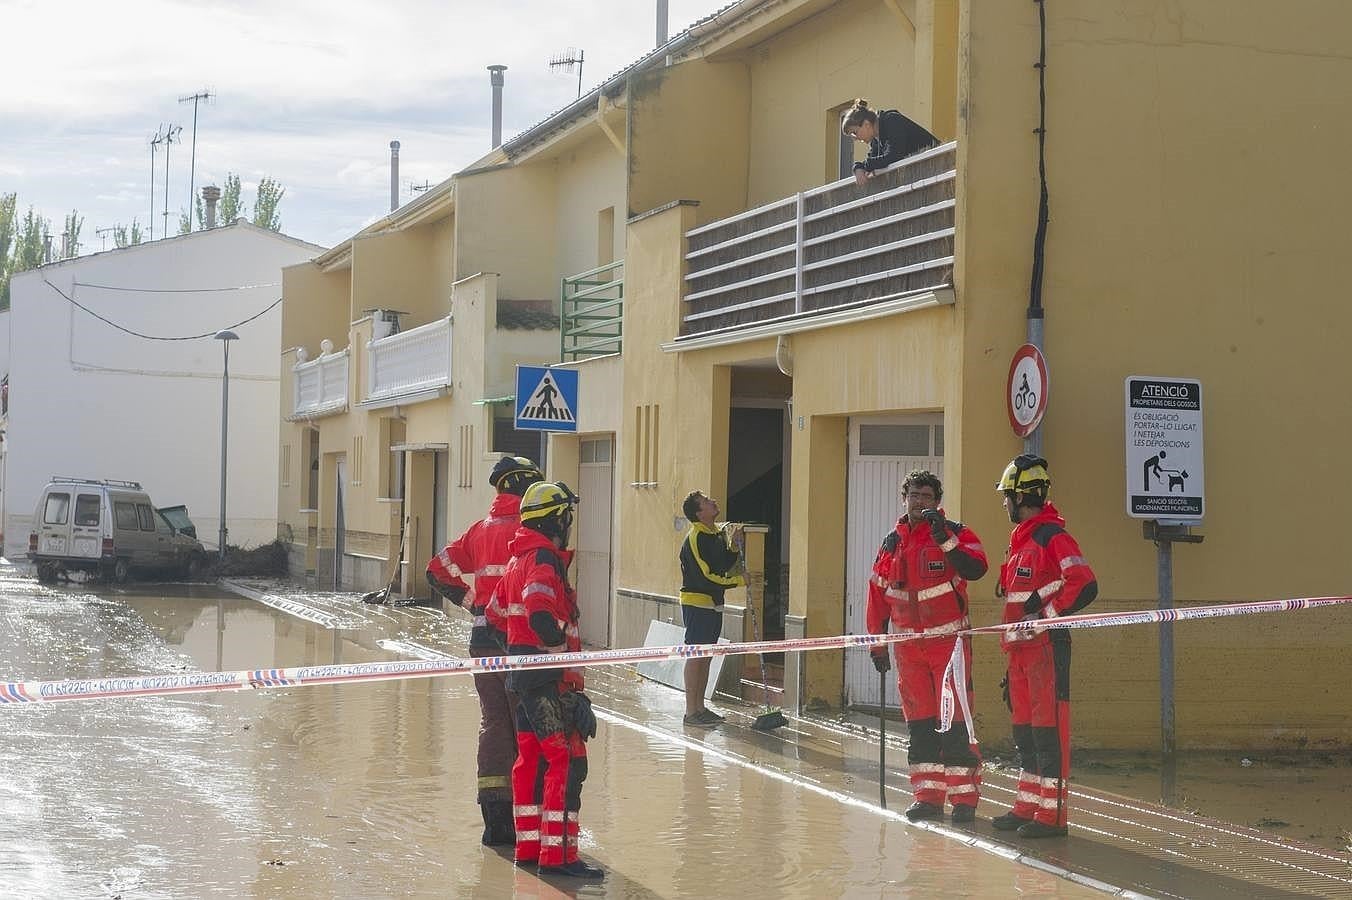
pixel 882 451
pixel 596 477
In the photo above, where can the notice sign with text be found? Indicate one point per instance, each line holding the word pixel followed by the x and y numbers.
pixel 1164 449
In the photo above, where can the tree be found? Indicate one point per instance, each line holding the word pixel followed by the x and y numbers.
pixel 7 207
pixel 70 235
pixel 231 208
pixel 30 247
pixel 127 237
pixel 185 221
pixel 269 197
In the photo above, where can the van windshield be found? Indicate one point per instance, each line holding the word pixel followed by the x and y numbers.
pixel 87 510
pixel 57 509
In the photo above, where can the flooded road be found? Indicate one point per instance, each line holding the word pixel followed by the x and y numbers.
pixel 368 790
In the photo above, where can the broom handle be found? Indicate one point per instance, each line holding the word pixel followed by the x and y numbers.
pixel 882 739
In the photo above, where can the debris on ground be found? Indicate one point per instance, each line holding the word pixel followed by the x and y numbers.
pixel 266 559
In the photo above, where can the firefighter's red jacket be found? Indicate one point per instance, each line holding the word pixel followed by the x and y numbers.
pixel 482 552
pixel 1043 560
pixel 920 586
pixel 536 596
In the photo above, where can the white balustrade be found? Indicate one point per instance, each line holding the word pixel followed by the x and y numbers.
pixel 320 385
pixel 410 362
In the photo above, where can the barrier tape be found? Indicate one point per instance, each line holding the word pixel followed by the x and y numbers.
pixel 27 692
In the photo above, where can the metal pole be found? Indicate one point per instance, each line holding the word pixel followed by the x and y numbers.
pixel 225 425
pixel 882 739
pixel 1033 443
pixel 1164 562
pixel 169 139
pixel 192 164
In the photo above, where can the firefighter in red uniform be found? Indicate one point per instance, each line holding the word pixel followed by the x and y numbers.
pixel 482 552
pixel 554 718
pixel 919 583
pixel 1044 576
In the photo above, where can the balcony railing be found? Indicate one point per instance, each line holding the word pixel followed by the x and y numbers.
pixel 410 362
pixel 835 247
pixel 320 385
pixel 592 304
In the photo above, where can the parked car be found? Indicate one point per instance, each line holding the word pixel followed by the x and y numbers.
pixel 112 529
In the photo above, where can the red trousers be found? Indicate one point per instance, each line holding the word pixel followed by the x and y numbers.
pixel 1039 702
pixel 942 766
pixel 547 778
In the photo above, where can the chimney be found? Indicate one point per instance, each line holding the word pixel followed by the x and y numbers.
pixel 394 175
pixel 210 194
pixel 661 22
pixel 495 75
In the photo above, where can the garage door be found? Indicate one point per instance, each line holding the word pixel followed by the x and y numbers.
pixel 882 451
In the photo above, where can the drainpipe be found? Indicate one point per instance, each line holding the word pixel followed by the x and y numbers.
pixel 496 78
pixel 1036 317
pixel 394 175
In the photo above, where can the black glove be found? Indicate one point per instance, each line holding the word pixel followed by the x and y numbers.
pixel 451 592
pixel 890 542
pixel 583 717
pixel 1004 691
pixel 938 526
pixel 1033 604
pixel 881 661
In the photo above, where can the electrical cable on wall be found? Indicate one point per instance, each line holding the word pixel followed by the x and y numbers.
pixel 155 337
pixel 210 290
pixel 1040 236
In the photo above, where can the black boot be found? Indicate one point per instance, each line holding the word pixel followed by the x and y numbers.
pixel 499 828
pixel 922 810
pixel 1008 822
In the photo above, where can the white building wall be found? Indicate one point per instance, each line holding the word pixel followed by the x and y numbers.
pixel 91 401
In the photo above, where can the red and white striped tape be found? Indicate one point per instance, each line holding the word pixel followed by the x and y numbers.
pixel 28 692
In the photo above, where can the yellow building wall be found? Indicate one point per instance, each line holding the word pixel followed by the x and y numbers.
pixel 689 134
pixel 314 308
pixel 687 399
pixel 505 223
pixel 898 364
pixel 1194 232
pixel 590 178
pixel 396 270
pixel 857 48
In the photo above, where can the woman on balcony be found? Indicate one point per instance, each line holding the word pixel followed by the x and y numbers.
pixel 890 136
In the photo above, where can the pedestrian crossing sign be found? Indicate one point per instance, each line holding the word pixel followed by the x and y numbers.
pixel 546 399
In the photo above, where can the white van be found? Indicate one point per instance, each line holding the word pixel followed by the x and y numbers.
pixel 109 528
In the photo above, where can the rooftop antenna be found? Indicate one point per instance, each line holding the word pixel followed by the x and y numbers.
pixel 565 61
pixel 103 233
pixel 203 95
pixel 170 136
pixel 155 140
pixel 419 188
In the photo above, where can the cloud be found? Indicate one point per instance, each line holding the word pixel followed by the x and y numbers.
pixel 307 92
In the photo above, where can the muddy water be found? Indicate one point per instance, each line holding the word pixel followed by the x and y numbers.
pixel 367 790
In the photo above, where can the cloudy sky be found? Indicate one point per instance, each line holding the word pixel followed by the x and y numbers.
pixel 309 93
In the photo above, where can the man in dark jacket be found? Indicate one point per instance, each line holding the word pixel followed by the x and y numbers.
pixel 707 562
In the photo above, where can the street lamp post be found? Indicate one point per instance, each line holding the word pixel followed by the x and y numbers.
pixel 225 337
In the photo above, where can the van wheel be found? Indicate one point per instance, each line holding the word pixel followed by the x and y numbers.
pixel 47 573
pixel 120 572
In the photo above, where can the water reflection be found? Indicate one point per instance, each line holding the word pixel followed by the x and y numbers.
pixel 368 790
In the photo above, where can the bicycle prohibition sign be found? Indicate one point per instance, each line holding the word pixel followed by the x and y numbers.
pixel 1026 390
